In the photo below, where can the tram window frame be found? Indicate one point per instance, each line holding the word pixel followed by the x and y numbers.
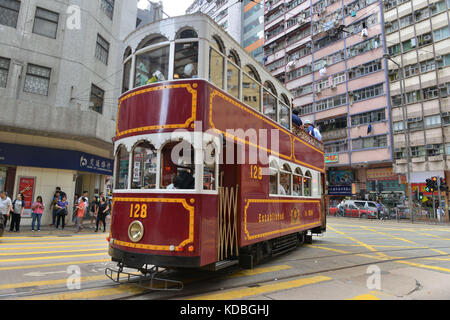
pixel 286 170
pixel 282 106
pixel 164 48
pixel 236 86
pixel 217 48
pixel 268 95
pixel 249 100
pixel 307 178
pixel 189 167
pixel 273 168
pixel 181 44
pixel 142 169
pixel 299 174
pixel 207 163
pixel 118 175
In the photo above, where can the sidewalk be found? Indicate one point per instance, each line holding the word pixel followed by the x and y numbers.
pixel 46 230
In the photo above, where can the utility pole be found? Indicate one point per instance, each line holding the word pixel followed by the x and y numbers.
pixel 440 200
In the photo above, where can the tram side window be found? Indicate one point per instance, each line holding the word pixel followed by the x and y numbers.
pixel 298 182
pixel 177 166
pixel 216 66
pixel 126 76
pixel 307 184
pixel 285 180
pixel 270 105
pixel 233 80
pixel 186 60
pixel 273 182
pixel 152 66
pixel 209 168
pixel 251 92
pixel 144 167
pixel 122 163
pixel 284 116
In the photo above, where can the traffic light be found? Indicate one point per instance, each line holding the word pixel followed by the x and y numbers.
pixel 431 185
pixel 443 185
pixel 420 196
pixel 416 194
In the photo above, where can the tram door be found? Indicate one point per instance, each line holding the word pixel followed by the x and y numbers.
pixel 228 207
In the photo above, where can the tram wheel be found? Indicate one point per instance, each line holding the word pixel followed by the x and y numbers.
pixel 308 239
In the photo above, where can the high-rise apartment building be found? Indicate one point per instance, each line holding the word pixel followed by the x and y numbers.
pixel 60 79
pixel 330 55
pixel 243 20
pixel 418 42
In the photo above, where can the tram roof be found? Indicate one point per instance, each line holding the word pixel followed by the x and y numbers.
pixel 206 28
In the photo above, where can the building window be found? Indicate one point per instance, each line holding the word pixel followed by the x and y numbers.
pixel 97 98
pixel 37 80
pixel 428 65
pixel 46 23
pixel 333 102
pixel 363 47
pixel 365 69
pixel 4 71
pixel 411 70
pixel 433 121
pixel 337 147
pixel 9 12
pixel 415 123
pixel 369 117
pixel 435 149
pixel 102 49
pixel 368 93
pixel 418 151
pixel 441 34
pixel 108 7
pixel 307 109
pixel 398 126
pixel 395 49
pixel 370 142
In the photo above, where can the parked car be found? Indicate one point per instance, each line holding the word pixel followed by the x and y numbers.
pixel 354 211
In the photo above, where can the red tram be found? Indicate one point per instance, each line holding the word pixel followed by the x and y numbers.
pixel 209 169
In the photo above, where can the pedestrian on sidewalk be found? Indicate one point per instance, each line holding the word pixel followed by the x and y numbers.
pixel 102 211
pixel 75 203
pixel 18 207
pixel 86 207
pixel 81 207
pixel 5 207
pixel 61 212
pixel 55 200
pixel 37 210
pixel 94 209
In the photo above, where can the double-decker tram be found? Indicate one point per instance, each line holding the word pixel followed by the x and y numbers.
pixel 210 170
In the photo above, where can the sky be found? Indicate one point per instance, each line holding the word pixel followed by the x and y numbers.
pixel 171 7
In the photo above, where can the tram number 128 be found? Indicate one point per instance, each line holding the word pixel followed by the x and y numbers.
pixel 255 172
pixel 138 211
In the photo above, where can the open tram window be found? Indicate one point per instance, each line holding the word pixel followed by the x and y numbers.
pixel 298 182
pixel 152 66
pixel 177 166
pixel 284 116
pixel 209 167
pixel 251 89
pixel 273 181
pixel 216 62
pixel 122 164
pixel 285 180
pixel 186 60
pixel 144 166
pixel 307 184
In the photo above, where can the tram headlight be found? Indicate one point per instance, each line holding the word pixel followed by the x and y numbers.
pixel 136 231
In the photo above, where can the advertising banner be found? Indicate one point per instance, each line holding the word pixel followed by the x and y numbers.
pixel 27 186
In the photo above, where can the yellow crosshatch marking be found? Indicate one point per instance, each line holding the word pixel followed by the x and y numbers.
pixel 296 227
pixel 291 137
pixel 186 125
pixel 183 202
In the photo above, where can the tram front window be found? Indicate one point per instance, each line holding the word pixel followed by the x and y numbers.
pixel 152 66
pixel 144 167
pixel 186 60
pixel 122 161
pixel 177 166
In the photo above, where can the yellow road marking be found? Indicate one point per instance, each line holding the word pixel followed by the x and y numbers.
pixel 54 257
pixel 253 272
pixel 365 297
pixel 247 292
pixel 48 282
pixel 41 243
pixel 389 235
pixel 330 249
pixel 57 237
pixel 47 252
pixel 34 266
pixel 126 289
pixel 425 266
pixel 53 247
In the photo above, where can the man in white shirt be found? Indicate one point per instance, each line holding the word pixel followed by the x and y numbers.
pixel 312 130
pixel 5 206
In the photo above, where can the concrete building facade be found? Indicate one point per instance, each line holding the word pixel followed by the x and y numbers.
pixel 418 42
pixel 330 55
pixel 60 78
pixel 243 20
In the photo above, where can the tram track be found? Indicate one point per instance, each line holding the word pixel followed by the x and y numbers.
pixel 34 292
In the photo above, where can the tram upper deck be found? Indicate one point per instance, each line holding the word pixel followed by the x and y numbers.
pixel 187 51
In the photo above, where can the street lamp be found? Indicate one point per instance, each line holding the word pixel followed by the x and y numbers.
pixel 406 131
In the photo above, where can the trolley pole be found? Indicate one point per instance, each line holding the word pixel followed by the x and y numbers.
pixel 440 200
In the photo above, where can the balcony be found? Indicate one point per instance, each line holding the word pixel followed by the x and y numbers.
pixel 334 134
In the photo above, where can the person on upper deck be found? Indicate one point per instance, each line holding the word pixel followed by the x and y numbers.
pixel 296 119
pixel 312 130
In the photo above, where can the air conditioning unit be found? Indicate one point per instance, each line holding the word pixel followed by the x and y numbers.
pixel 442 86
pixel 333 87
pixel 439 58
pixel 430 147
pixel 432 6
pixel 427 37
pixel 388 24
